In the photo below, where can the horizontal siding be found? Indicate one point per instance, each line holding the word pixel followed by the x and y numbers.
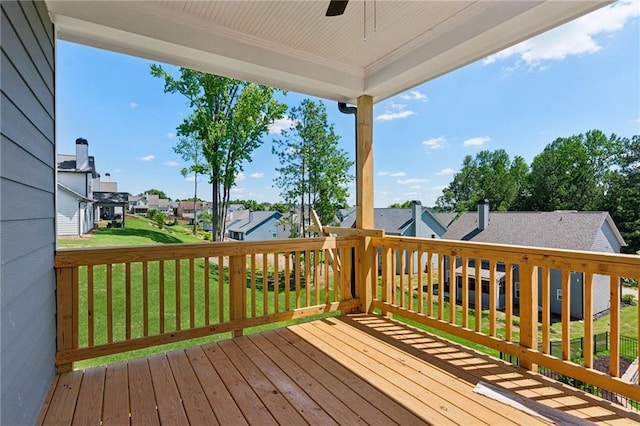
pixel 26 169
pixel 27 210
pixel 73 180
pixel 67 214
pixel 17 127
pixel 601 293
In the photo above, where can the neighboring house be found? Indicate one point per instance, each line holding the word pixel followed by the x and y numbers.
pixel 569 230
pixel 141 204
pixel 402 222
pixel 187 211
pixel 77 177
pixel 256 226
pixel 111 206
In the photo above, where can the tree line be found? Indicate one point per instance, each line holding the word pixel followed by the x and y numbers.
pixel 585 172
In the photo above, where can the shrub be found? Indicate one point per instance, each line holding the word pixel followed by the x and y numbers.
pixel 628 299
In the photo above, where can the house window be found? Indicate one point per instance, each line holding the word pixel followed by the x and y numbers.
pixel 559 294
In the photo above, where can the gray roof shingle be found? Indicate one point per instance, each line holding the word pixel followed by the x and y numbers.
pixel 569 230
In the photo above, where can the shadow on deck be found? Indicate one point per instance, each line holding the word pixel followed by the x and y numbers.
pixel 345 370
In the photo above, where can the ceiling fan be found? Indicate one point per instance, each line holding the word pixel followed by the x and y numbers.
pixel 336 7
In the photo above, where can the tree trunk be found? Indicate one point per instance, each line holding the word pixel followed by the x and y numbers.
pixel 214 208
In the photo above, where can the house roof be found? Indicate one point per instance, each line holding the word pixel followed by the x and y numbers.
pixel 72 192
pixel 292 45
pixel 67 163
pixel 250 222
pixel 110 197
pixel 569 230
pixel 393 220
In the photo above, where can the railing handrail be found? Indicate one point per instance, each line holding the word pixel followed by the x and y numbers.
pixel 617 264
pixel 70 257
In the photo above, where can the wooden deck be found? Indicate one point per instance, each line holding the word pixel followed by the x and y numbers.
pixel 346 370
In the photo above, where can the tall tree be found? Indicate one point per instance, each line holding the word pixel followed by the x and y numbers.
pixel 189 148
pixel 229 117
pixel 570 173
pixel 154 191
pixel 314 170
pixel 489 175
pixel 622 198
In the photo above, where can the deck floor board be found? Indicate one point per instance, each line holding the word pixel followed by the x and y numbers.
pixel 344 370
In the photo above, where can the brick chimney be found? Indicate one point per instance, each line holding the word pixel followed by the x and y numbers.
pixel 82 154
pixel 483 214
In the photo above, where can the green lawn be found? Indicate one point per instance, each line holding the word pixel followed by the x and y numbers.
pixel 138 231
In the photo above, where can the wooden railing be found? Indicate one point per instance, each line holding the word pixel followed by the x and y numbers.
pixel 112 300
pixel 433 282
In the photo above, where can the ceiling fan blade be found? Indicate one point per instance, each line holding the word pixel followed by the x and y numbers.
pixel 336 7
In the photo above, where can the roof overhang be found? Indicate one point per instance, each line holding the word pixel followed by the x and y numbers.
pixel 292 45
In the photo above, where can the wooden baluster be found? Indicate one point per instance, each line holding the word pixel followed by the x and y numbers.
pixel 109 303
pixel 401 273
pixel 220 289
pixel 326 276
pixel 337 282
pixel 145 298
pixel 316 275
pixel 66 285
pixel 207 284
pixel 127 299
pixel 265 284
pixel 430 284
pixel 178 305
pixel 307 277
pixel 161 319
pixel 508 301
pixel 192 294
pixel 546 310
pixel 287 281
pixel 296 268
pixel 478 294
pixel 465 291
pixel 276 283
pixel 90 307
pixel 492 298
pixel 253 285
pixel 614 319
pixel 588 320
pixel 565 313
pixel 410 279
pixel 452 289
pixel 441 288
pixel 420 283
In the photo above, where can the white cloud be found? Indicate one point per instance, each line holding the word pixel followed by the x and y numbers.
pixel 479 141
pixel 383 174
pixel 192 178
pixel 435 143
pixel 415 187
pixel 414 95
pixel 132 104
pixel 171 135
pixel 388 116
pixel 148 158
pixel 574 38
pixel 236 190
pixel 398 107
pixel 447 171
pixel 256 175
pixel 439 188
pixel 281 124
pixel 398 174
pixel 411 180
pixel 240 177
pixel 171 164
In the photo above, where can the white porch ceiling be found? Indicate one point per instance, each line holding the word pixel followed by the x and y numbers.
pixel 293 46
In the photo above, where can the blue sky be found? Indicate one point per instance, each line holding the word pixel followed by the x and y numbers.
pixel 584 75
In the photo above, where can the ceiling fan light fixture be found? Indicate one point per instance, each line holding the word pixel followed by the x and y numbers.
pixel 336 7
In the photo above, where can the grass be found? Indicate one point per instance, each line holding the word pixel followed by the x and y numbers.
pixel 138 231
pixel 628 324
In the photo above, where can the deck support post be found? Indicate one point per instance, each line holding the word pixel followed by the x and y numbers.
pixel 528 312
pixel 364 197
pixel 237 290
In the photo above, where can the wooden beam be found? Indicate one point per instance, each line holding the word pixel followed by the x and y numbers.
pixel 364 164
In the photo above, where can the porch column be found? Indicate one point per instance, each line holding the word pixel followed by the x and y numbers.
pixel 364 198
pixel 364 164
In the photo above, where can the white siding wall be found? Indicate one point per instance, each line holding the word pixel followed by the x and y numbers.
pixel 67 213
pixel 27 211
pixel 75 181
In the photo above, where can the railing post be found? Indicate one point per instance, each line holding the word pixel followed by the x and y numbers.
pixel 66 301
pixel 365 275
pixel 528 311
pixel 238 289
